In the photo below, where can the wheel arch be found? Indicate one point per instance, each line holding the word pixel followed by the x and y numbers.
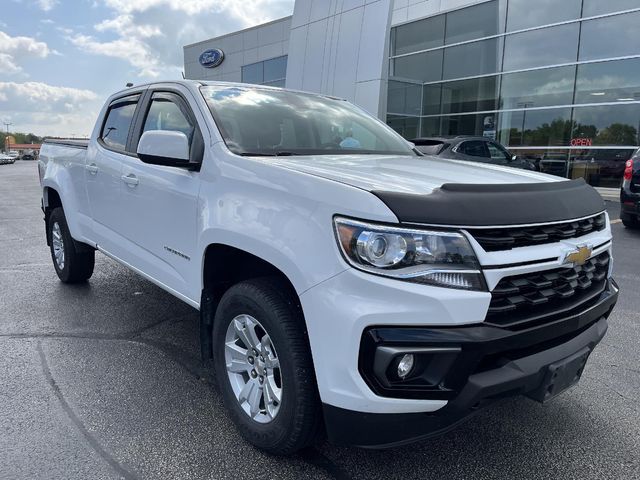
pixel 225 266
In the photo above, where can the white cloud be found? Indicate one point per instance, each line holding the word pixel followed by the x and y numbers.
pixel 47 5
pixel 49 110
pixel 13 48
pixel 150 34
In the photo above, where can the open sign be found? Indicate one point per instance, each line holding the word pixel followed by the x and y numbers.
pixel 581 142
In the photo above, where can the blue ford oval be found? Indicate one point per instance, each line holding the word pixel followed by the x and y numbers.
pixel 211 58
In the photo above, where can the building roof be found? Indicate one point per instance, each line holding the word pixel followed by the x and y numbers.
pixel 24 146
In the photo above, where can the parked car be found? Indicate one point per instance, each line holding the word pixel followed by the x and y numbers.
pixel 630 193
pixel 471 149
pixel 14 154
pixel 5 159
pixel 339 280
pixel 554 163
pixel 28 156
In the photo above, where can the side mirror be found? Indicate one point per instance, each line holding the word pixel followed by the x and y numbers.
pixel 164 147
pixel 514 158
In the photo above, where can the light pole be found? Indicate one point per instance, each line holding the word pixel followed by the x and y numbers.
pixel 7 124
pixel 523 105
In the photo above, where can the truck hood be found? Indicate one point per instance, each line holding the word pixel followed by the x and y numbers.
pixel 430 190
pixel 405 174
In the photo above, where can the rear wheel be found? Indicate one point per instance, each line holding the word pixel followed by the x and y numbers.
pixel 73 262
pixel 630 222
pixel 263 367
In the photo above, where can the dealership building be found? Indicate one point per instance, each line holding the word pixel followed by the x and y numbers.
pixel 556 81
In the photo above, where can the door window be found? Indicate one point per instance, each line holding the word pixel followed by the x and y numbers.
pixel 115 130
pixel 498 153
pixel 165 114
pixel 474 149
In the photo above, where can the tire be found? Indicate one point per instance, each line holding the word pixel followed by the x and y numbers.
pixel 76 261
pixel 291 423
pixel 630 222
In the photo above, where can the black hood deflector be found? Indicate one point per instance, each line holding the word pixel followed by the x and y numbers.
pixel 474 205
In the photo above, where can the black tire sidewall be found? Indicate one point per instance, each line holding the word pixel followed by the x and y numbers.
pixel 240 300
pixel 57 215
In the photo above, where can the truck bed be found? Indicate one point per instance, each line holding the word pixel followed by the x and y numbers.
pixel 68 142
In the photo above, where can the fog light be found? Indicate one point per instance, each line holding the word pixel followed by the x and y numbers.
pixel 405 365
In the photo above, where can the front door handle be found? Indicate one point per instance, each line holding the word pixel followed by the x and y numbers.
pixel 130 180
pixel 92 169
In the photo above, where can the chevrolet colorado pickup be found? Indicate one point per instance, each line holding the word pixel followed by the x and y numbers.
pixel 345 282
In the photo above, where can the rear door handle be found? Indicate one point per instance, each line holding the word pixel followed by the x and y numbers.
pixel 130 180
pixel 92 169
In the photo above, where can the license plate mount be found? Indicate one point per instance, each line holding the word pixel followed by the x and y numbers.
pixel 560 376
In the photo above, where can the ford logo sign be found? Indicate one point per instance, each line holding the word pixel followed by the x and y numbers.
pixel 211 58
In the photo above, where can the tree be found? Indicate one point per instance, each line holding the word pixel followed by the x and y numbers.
pixel 618 134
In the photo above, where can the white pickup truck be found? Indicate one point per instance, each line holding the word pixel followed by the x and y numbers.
pixel 343 279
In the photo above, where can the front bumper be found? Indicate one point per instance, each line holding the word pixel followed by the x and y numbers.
pixel 492 363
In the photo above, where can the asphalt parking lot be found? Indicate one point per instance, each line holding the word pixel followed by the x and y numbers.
pixel 104 381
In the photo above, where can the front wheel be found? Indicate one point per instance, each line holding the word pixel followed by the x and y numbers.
pixel 263 367
pixel 72 263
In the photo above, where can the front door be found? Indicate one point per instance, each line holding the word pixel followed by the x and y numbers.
pixel 159 207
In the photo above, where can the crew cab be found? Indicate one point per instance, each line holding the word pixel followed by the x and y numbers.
pixel 343 279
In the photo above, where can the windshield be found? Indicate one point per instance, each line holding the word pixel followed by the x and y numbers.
pixel 260 121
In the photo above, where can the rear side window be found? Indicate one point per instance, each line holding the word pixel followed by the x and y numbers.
pixel 115 130
pixel 474 149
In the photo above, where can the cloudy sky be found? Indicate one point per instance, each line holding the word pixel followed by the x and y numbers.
pixel 59 59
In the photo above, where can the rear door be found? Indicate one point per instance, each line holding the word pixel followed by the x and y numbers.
pixel 159 204
pixel 103 171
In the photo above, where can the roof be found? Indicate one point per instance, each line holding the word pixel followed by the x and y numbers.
pixel 25 146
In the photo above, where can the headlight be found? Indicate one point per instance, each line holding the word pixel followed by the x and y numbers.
pixel 430 257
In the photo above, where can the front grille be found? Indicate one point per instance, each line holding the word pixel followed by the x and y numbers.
pixel 538 297
pixel 506 238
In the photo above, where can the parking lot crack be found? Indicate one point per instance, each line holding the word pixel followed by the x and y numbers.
pixel 93 443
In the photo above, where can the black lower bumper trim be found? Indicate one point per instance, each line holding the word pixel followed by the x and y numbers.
pixel 521 376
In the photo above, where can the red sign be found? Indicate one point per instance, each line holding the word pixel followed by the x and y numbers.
pixel 581 142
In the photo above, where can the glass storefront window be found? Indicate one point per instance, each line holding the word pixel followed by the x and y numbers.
pixel 253 73
pixel 599 7
pixel 480 124
pixel 608 124
pixel 537 48
pixel 275 69
pixel 431 99
pixel 478 58
pixel 469 23
pixel 610 37
pixel 535 127
pixel 599 167
pixel 271 72
pixel 405 126
pixel 472 95
pixel 404 98
pixel 430 126
pixel 421 67
pixel 416 36
pixel 522 15
pixel 538 88
pixel 615 81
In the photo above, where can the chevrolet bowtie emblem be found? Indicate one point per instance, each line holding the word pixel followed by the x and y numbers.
pixel 579 256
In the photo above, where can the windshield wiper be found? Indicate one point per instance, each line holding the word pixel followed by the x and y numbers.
pixel 277 153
